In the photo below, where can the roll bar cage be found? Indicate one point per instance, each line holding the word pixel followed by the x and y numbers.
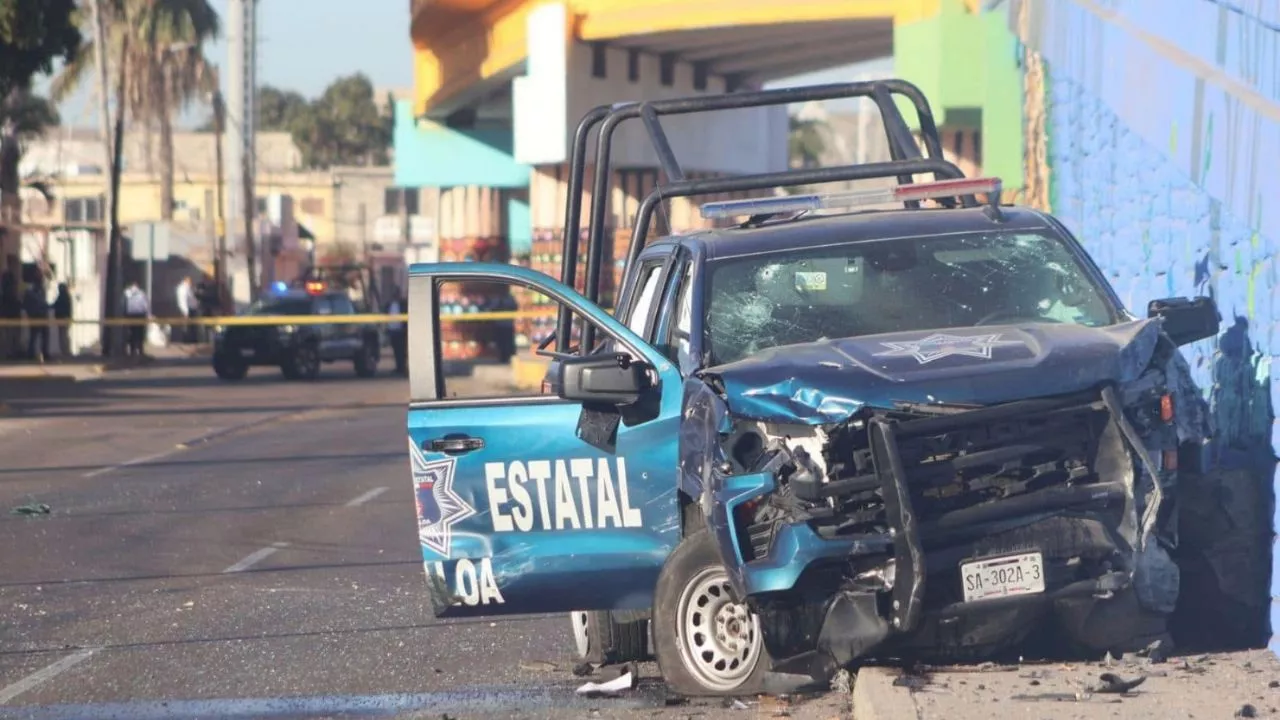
pixel 906 160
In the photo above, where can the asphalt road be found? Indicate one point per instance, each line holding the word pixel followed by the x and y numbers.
pixel 249 550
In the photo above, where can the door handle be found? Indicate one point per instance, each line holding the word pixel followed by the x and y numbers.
pixel 454 444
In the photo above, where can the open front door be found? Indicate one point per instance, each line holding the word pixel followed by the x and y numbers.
pixel 527 502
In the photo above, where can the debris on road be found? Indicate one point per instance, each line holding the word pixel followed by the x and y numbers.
pixel 32 509
pixel 538 666
pixel 1239 682
pixel 1112 683
pixel 611 688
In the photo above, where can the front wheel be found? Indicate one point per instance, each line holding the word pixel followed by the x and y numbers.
pixel 304 363
pixel 707 642
pixel 230 367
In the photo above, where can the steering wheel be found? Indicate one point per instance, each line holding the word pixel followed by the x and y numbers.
pixel 990 318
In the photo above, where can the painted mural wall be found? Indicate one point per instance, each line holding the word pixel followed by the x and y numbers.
pixel 1163 149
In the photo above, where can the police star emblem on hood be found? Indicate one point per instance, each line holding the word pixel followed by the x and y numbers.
pixel 439 507
pixel 940 345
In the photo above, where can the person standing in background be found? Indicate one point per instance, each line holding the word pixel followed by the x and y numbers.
pixel 136 308
pixel 36 303
pixel 62 313
pixel 10 309
pixel 187 305
pixel 397 335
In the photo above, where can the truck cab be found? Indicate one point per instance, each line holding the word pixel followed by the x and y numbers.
pixel 827 431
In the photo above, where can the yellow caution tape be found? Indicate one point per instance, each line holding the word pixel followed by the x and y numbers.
pixel 259 320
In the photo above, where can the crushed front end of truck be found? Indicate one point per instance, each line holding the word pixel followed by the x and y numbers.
pixel 947 510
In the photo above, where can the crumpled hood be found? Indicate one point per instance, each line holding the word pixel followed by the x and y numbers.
pixel 827 381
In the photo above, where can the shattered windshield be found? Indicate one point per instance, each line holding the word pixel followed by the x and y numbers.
pixel 866 288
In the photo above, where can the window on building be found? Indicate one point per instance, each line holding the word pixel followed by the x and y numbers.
pixel 958 144
pixel 700 72
pixel 667 69
pixel 82 209
pixel 599 60
pixel 977 147
pixel 633 65
pixel 395 198
pixel 732 83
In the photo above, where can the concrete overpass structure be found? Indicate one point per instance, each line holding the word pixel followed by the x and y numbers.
pixel 501 84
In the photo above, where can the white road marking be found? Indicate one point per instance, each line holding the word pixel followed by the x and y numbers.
pixel 256 557
pixel 190 443
pixel 128 463
pixel 366 497
pixel 42 675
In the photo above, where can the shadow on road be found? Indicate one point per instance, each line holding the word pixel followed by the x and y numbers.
pixel 336 632
pixel 109 407
pixel 416 563
pixel 293 460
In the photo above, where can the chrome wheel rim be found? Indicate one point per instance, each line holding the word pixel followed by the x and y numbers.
pixel 719 638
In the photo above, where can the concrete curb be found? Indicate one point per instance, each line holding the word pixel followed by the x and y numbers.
pixel 48 373
pixel 875 697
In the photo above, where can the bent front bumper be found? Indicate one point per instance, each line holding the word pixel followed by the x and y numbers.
pixel 1081 517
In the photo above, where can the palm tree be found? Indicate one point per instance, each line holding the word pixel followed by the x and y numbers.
pixel 162 46
pixel 23 117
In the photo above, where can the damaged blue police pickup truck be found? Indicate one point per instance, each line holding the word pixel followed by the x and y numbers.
pixel 821 433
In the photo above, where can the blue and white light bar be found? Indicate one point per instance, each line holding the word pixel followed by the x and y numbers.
pixel 855 198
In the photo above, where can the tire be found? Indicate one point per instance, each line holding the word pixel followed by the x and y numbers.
pixel 729 658
pixel 599 639
pixel 229 367
pixel 366 360
pixel 305 363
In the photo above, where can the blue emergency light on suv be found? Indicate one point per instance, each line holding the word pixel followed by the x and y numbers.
pixel 803 439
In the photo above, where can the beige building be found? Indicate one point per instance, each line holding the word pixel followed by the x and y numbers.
pixel 341 212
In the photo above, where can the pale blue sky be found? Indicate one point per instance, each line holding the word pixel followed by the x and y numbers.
pixel 304 45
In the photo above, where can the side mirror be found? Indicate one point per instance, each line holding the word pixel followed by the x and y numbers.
pixel 606 379
pixel 1186 320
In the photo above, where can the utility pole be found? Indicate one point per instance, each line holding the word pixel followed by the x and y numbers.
pixel 220 233
pixel 241 87
pixel 109 337
pixel 250 254
pixel 364 234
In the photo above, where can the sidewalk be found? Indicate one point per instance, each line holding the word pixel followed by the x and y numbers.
pixel 1216 685
pixel 91 366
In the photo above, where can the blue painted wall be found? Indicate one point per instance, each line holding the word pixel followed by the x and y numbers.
pixel 1164 148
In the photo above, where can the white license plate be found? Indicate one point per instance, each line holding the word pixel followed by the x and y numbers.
pixel 1002 576
pixel 246 352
